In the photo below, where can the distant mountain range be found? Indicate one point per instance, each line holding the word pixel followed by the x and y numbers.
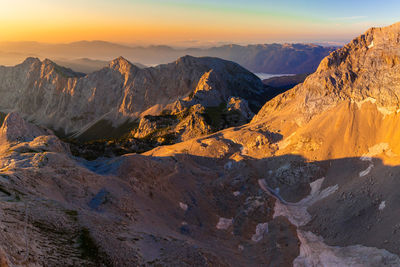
pixel 264 58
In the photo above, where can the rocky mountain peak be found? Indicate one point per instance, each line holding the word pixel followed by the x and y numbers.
pixel 120 62
pixel 15 128
pixel 31 60
pixel 385 38
pixel 185 59
pixel 123 66
pixel 365 69
pixel 58 98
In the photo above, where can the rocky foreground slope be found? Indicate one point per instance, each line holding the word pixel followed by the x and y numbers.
pixel 330 154
pixel 311 181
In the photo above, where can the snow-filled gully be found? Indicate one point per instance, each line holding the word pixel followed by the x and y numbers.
pixel 369 168
pixel 313 250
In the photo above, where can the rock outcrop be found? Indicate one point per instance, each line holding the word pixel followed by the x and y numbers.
pixel 63 100
pixel 332 148
pixel 181 124
pixel 15 128
pixel 240 105
pixel 365 69
pixel 311 181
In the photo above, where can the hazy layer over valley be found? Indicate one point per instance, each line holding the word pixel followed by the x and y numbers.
pixel 88 56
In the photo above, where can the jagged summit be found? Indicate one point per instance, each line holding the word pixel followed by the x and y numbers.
pixel 385 38
pixel 348 106
pixel 119 61
pixel 64 100
pixel 15 128
pixel 185 58
pixel 366 68
pixel 123 66
pixel 30 60
pixel 48 67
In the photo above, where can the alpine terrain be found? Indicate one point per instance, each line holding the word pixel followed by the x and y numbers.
pixel 311 180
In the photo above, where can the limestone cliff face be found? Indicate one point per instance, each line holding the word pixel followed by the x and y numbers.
pixel 312 181
pixel 61 99
pixel 240 105
pixel 15 128
pixel 368 68
pixel 339 129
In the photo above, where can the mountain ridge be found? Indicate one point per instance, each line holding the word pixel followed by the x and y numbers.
pixel 311 181
pixel 265 58
pixel 336 78
pixel 62 99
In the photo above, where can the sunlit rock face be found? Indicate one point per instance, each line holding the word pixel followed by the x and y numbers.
pixel 341 125
pixel 306 183
pixel 61 99
pixel 15 128
pixel 367 69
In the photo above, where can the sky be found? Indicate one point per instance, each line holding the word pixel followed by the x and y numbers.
pixel 190 22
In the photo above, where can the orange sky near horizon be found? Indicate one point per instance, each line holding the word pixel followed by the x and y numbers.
pixel 166 22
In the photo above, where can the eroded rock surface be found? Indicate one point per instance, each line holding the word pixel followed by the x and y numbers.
pixel 63 100
pixel 327 157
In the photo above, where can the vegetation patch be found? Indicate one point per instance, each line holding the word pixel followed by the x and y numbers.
pixel 214 116
pixel 89 249
pixel 164 118
pixel 2 117
pixel 73 214
pixel 3 190
pixel 220 117
pixel 104 130
pixel 94 143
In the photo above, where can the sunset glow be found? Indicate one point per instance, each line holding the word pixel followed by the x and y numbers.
pixel 156 21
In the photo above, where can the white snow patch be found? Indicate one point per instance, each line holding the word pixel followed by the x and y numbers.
pixel 313 250
pixel 261 230
pixel 369 168
pixel 368 99
pixel 297 212
pixel 383 110
pixel 241 247
pixel 382 205
pixel 374 151
pixel 387 110
pixel 236 193
pixel 371 45
pixel 286 142
pixel 224 223
pixel 183 206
